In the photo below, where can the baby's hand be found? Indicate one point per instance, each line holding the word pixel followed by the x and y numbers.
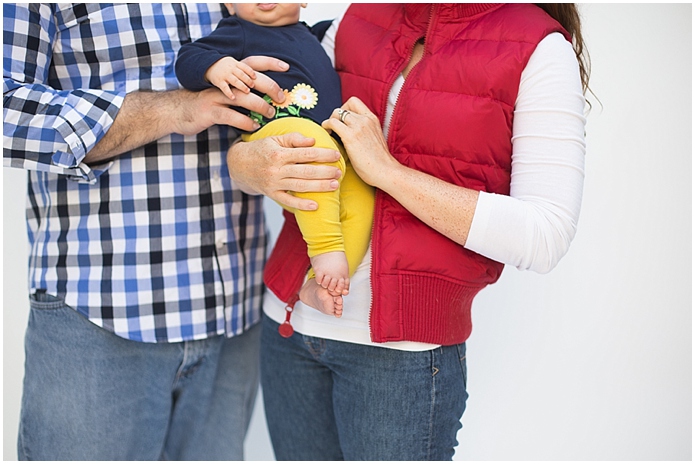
pixel 227 73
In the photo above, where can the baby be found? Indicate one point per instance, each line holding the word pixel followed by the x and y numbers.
pixel 337 236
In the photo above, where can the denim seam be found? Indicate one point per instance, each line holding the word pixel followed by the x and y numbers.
pixel 180 371
pixel 184 371
pixel 463 373
pixel 433 396
pixel 22 441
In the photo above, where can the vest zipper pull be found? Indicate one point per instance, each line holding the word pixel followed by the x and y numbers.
pixel 286 330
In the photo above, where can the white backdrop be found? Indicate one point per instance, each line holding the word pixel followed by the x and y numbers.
pixel 594 360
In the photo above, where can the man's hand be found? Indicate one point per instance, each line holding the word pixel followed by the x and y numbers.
pixel 193 112
pixel 147 116
pixel 274 166
pixel 200 110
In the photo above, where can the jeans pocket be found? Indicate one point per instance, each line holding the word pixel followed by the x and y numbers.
pixel 42 301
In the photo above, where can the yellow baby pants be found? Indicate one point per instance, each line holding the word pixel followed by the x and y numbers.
pixel 343 220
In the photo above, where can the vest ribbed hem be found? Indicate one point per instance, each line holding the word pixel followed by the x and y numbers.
pixel 422 308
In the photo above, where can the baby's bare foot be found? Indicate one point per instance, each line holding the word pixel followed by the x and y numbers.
pixel 312 294
pixel 332 272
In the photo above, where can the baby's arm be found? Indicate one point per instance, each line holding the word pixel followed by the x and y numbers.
pixel 228 72
pixel 213 60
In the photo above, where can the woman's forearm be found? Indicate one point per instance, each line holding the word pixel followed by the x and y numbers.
pixel 445 207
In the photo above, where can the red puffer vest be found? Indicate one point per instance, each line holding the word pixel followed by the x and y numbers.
pixel 453 120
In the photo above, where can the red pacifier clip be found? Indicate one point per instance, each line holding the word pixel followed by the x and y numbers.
pixel 286 330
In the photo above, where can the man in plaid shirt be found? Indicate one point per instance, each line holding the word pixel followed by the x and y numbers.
pixel 145 265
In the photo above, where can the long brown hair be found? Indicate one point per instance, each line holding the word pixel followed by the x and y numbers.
pixel 568 17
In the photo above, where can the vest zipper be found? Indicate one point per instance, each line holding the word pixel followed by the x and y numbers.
pixel 377 197
pixel 410 56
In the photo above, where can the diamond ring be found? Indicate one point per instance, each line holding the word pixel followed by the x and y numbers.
pixel 342 114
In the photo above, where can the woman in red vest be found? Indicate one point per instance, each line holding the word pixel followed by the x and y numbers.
pixel 469 121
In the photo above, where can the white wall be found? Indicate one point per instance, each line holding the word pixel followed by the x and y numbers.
pixel 594 360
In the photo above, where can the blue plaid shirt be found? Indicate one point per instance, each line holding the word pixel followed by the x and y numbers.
pixel 155 245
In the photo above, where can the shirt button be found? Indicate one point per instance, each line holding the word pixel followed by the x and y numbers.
pixel 219 244
pixel 216 175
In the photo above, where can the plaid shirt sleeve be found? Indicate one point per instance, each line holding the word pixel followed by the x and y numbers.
pixel 44 128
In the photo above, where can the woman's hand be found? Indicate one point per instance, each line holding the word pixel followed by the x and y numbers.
pixel 275 165
pixel 445 207
pixel 361 134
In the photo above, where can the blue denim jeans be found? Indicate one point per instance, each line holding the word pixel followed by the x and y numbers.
pixel 91 395
pixel 330 400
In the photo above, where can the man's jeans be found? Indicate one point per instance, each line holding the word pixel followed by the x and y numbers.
pixel 91 395
pixel 330 400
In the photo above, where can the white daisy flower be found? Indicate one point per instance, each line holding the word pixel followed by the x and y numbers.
pixel 304 96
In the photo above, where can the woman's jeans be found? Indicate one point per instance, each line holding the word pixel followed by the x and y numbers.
pixel 91 395
pixel 330 400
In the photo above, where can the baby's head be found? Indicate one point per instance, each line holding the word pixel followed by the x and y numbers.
pixel 267 14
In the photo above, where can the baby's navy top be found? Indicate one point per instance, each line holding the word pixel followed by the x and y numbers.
pixel 311 84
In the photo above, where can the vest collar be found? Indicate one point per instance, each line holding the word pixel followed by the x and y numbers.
pixel 430 20
pixel 418 14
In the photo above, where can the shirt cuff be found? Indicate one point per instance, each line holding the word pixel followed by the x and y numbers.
pixel 82 123
pixel 479 224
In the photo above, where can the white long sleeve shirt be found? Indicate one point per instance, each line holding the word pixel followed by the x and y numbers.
pixel 531 228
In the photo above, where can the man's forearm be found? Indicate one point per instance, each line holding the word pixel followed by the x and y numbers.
pixel 143 118
pixel 147 116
